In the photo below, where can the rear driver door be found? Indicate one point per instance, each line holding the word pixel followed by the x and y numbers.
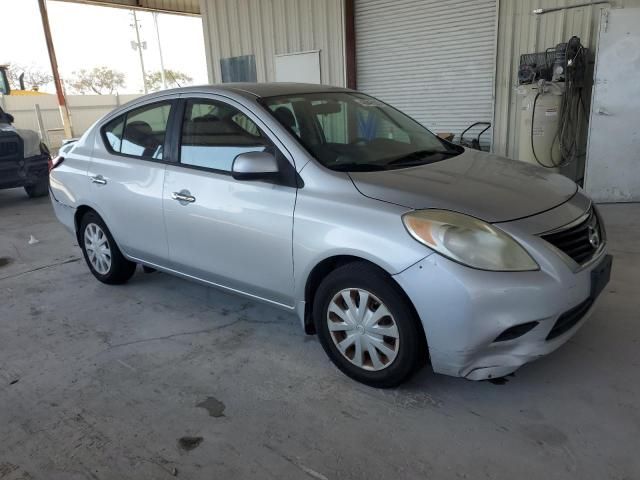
pixel 127 175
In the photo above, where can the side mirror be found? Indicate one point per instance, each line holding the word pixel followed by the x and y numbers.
pixel 255 166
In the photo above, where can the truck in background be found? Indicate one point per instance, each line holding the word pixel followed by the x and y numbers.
pixel 24 158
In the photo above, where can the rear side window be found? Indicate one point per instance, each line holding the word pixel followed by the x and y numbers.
pixel 214 134
pixel 113 133
pixel 140 132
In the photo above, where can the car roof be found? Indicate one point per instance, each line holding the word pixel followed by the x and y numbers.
pixel 251 91
pixel 255 90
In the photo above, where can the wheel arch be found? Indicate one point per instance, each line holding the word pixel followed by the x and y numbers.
pixel 329 264
pixel 81 211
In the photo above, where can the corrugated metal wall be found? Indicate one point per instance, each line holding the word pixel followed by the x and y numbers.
pixel 433 59
pixel 266 28
pixel 520 31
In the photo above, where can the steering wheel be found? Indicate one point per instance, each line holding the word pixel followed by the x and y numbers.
pixel 361 141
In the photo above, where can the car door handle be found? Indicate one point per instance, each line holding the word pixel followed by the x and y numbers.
pixel 99 179
pixel 183 196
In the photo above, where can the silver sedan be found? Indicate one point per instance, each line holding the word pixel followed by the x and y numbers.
pixel 393 246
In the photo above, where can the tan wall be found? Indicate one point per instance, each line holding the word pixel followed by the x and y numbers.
pixel 85 110
pixel 266 28
pixel 520 31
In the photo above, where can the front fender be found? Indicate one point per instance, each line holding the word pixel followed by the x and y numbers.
pixel 327 226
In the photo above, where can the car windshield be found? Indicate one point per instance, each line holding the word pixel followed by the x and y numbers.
pixel 355 132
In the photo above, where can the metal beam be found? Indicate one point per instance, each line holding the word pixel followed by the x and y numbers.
pixel 350 43
pixel 191 8
pixel 62 104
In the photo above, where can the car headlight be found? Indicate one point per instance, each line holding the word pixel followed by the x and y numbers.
pixel 468 240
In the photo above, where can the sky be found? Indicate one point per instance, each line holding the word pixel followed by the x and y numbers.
pixel 87 36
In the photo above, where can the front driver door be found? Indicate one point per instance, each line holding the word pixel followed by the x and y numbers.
pixel 232 233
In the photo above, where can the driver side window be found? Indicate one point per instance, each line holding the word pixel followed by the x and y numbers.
pixel 214 134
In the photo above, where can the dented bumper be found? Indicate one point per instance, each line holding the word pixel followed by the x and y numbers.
pixel 466 312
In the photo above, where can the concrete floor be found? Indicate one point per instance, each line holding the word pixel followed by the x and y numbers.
pixel 102 382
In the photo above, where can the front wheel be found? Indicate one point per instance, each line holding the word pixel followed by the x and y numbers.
pixel 103 257
pixel 367 326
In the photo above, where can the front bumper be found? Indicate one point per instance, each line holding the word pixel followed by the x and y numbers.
pixel 464 311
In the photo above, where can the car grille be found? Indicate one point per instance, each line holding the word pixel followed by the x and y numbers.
pixel 581 241
pixel 569 318
pixel 8 149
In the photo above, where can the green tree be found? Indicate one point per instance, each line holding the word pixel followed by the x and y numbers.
pixel 98 80
pixel 174 78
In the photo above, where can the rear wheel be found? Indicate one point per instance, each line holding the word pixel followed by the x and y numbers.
pixel 103 257
pixel 38 189
pixel 367 327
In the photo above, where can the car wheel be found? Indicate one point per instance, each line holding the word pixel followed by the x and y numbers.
pixel 104 258
pixel 367 326
pixel 39 189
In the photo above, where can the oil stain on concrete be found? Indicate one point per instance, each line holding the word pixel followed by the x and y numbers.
pixel 189 443
pixel 212 405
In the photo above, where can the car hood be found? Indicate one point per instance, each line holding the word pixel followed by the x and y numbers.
pixel 486 186
pixel 30 139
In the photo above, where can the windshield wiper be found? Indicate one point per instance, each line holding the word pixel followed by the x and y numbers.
pixel 357 167
pixel 418 157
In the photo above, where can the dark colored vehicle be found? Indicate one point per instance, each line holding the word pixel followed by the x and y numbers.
pixel 24 159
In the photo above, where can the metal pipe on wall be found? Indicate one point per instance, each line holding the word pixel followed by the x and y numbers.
pixel 540 11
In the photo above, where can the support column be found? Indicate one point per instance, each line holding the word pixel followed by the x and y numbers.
pixel 350 42
pixel 62 103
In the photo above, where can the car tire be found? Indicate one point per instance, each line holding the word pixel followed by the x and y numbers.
pixel 38 189
pixel 378 341
pixel 103 257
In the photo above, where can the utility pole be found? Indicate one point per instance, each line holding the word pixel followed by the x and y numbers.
pixel 62 104
pixel 139 46
pixel 164 78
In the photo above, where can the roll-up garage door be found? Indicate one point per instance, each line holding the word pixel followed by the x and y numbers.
pixel 433 59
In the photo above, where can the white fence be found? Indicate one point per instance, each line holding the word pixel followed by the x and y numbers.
pixel 84 109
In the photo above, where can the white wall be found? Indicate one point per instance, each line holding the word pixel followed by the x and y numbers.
pixel 85 110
